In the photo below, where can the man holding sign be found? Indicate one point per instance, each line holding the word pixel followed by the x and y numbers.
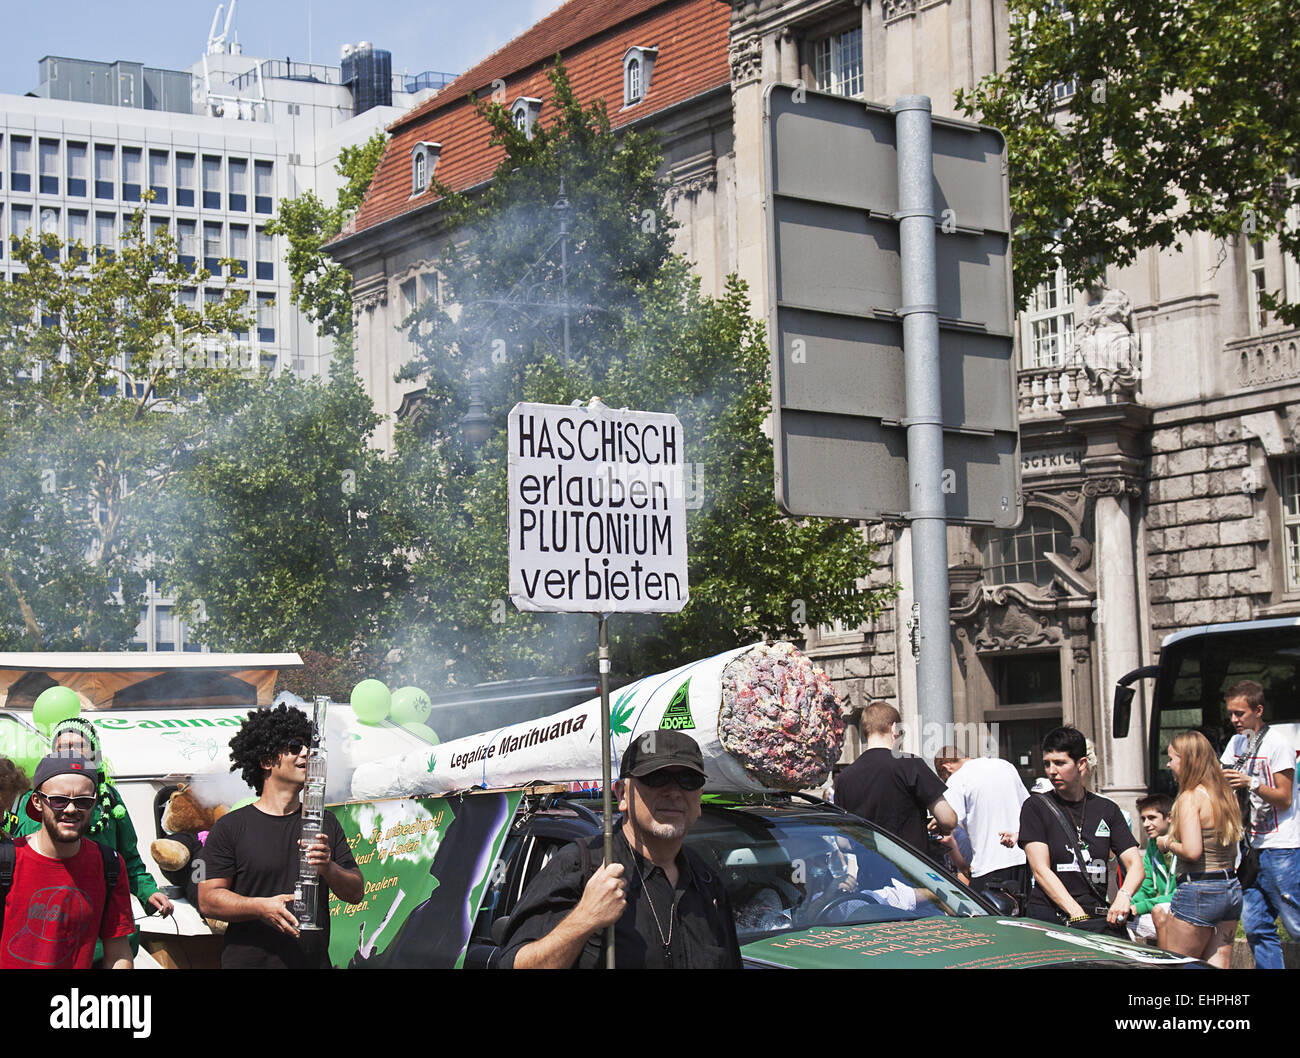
pixel 668 909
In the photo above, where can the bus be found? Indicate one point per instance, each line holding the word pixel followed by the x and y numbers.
pixel 1196 667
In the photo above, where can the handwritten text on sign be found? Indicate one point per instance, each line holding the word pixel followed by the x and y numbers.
pixel 597 510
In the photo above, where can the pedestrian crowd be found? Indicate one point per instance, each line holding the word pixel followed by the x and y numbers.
pixel 1225 850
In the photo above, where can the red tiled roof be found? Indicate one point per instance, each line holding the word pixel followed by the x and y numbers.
pixel 592 36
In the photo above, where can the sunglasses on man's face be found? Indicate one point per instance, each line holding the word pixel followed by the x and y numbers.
pixel 295 747
pixel 685 780
pixel 60 804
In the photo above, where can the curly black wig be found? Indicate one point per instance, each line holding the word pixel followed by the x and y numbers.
pixel 262 735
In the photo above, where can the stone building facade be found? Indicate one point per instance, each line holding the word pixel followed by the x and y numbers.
pixel 1160 476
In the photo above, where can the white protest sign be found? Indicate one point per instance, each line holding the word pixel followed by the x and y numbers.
pixel 597 510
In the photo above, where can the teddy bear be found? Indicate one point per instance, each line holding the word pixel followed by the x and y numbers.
pixel 187 822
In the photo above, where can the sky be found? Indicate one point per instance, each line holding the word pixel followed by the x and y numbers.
pixel 421 34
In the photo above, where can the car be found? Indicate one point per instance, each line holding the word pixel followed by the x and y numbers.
pixel 813 886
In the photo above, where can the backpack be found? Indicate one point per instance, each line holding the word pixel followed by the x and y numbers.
pixel 111 861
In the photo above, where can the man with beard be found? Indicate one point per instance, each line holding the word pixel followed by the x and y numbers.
pixel 65 891
pixel 668 908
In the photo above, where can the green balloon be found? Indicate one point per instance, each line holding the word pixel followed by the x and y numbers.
pixel 244 801
pixel 21 745
pixel 410 705
pixel 425 732
pixel 371 701
pixel 55 704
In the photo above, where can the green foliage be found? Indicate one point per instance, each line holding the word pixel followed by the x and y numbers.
pixel 288 526
pixel 98 366
pixel 641 335
pixel 1183 119
pixel 321 288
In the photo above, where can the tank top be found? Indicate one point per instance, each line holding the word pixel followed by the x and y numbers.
pixel 1214 857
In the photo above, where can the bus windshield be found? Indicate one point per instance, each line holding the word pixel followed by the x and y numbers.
pixel 1196 671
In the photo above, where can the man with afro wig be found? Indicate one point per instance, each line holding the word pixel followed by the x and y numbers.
pixel 249 865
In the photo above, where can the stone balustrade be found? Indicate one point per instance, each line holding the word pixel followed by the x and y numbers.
pixel 1264 359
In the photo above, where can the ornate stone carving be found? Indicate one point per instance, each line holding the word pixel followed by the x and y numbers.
pixel 1106 344
pixel 746 57
pixel 369 300
pixel 1261 361
pixel 1113 486
pixel 1082 655
pixel 1012 626
pixel 896 9
pixel 693 179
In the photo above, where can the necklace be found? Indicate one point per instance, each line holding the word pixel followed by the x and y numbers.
pixel 668 940
pixel 1083 819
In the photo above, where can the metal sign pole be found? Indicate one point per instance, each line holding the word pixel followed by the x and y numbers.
pixel 605 785
pixel 920 313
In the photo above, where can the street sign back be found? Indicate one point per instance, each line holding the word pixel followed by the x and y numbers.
pixel 837 336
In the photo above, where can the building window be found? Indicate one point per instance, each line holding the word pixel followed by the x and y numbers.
pixel 78 233
pixel 105 186
pixel 1291 519
pixel 211 182
pixel 48 167
pixel 1015 556
pixel 184 179
pixel 237 170
pixel 187 242
pixel 265 255
pixel 266 318
pixel 837 63
pixel 638 68
pixel 524 113
pixel 105 234
pixel 1256 284
pixel 1047 332
pixel 20 163
pixel 158 183
pixel 49 226
pixel 239 249
pixel 77 170
pixel 212 247
pixel 20 221
pixel 263 187
pixel 132 173
pixel 424 160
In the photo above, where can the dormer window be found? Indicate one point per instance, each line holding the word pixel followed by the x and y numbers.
pixel 638 64
pixel 424 159
pixel 524 113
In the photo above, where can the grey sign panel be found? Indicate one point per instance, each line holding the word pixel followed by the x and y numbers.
pixel 839 393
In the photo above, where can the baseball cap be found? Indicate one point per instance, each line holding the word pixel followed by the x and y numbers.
pixel 53 765
pixel 660 749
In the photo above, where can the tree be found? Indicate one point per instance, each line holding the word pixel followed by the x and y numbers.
pixel 288 529
pixel 319 287
pixel 100 362
pixel 1181 116
pixel 639 334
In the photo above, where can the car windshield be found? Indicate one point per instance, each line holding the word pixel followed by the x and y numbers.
pixel 790 870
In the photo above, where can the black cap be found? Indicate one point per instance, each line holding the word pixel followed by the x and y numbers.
pixel 53 765
pixel 661 749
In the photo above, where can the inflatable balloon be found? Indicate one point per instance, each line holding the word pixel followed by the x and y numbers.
pixel 424 731
pixel 371 701
pixel 53 705
pixel 244 801
pixel 410 706
pixel 21 745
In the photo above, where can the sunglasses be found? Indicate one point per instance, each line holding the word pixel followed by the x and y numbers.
pixel 60 804
pixel 295 747
pixel 685 780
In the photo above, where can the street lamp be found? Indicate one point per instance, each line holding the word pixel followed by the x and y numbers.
pixel 476 426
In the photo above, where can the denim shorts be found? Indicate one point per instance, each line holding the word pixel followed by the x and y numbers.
pixel 1207 902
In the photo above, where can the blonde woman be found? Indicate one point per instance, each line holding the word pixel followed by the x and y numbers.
pixel 1203 833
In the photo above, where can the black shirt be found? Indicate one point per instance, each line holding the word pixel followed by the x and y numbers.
pixel 696 914
pixel 258 853
pixel 892 790
pixel 1104 833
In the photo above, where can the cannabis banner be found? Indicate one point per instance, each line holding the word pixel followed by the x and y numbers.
pixel 426 863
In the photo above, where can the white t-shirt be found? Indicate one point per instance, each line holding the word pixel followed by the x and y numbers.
pixel 986 793
pixel 1271 827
